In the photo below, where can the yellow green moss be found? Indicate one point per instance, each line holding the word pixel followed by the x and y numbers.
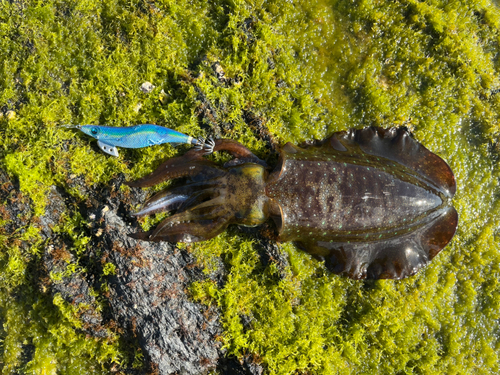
pixel 306 69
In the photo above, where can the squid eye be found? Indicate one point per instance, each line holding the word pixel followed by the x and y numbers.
pixel 94 131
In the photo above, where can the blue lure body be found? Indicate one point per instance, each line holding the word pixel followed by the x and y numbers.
pixel 109 137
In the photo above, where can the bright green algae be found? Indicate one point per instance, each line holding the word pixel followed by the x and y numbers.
pixel 307 70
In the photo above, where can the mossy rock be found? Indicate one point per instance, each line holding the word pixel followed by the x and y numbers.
pixel 262 73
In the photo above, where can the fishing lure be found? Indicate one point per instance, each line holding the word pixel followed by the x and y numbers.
pixel 139 136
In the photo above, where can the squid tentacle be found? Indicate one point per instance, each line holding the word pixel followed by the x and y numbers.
pixel 189 226
pixel 238 151
pixel 202 207
pixel 179 198
pixel 197 198
pixel 164 201
pixel 189 164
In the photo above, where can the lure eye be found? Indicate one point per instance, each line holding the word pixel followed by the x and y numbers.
pixel 94 131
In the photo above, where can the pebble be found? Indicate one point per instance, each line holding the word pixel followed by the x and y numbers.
pixel 163 97
pixel 10 115
pixel 147 87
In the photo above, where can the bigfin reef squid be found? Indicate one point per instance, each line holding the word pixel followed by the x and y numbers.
pixel 371 203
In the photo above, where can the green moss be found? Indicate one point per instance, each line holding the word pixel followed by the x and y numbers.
pixel 49 332
pixel 204 291
pixel 109 269
pixel 306 69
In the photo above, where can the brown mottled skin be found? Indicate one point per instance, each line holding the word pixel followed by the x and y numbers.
pixel 371 203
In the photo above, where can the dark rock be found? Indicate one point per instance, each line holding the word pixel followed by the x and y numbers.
pixel 149 297
pixel 14 206
pixel 52 213
pixel 74 288
pixel 258 126
pixel 149 300
pixel 245 366
pixel 149 293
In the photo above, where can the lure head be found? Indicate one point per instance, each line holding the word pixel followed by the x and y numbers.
pixel 91 130
pixel 95 132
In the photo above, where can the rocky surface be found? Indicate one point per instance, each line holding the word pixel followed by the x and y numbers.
pixel 148 298
pixel 15 210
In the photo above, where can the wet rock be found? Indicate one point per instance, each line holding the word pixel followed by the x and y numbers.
pixel 258 126
pixel 73 287
pixel 149 297
pixel 269 252
pixel 15 209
